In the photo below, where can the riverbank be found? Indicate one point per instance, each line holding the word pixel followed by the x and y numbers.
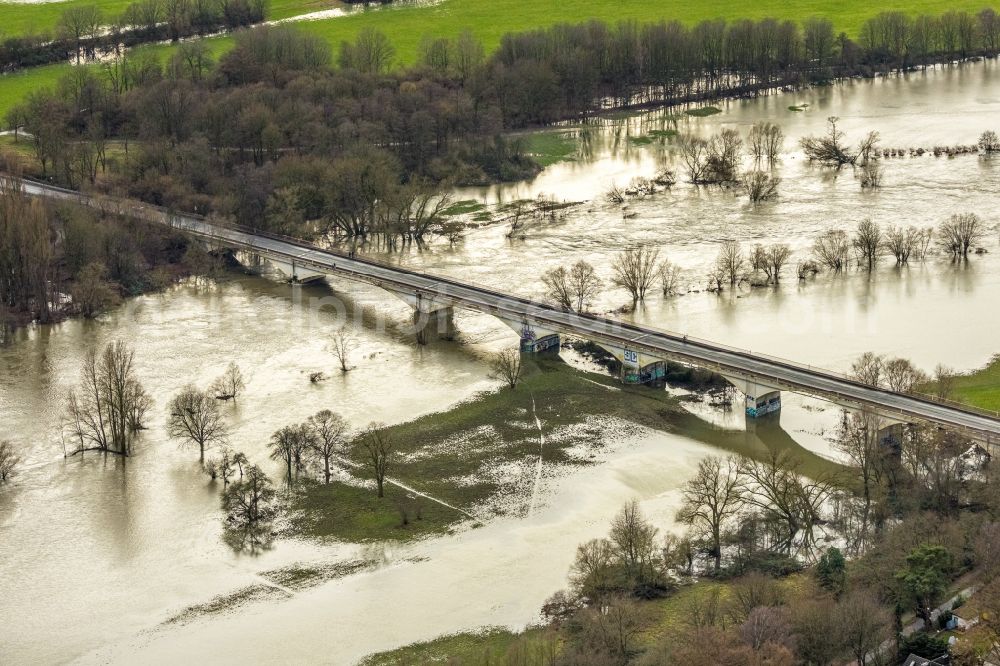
pixel 655 617
pixel 980 388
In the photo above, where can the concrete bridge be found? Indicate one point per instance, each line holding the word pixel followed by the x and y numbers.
pixel 641 350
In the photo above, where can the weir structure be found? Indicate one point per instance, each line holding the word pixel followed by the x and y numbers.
pixel 643 351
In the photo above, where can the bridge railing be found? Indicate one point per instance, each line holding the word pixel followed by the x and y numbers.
pixel 173 216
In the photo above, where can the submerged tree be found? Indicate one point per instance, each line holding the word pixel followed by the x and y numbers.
pixel 989 142
pixel 194 417
pixel 669 274
pixel 731 264
pixel 869 243
pixel 572 289
pixel 249 502
pixel 289 444
pixel 760 185
pixel 106 411
pixel 230 384
pixel 829 149
pixel 959 233
pixel 342 344
pixel 635 271
pixel 710 499
pixel 8 461
pixel 832 250
pixel 765 140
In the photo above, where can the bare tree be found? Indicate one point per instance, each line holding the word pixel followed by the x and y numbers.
pixel 557 288
pixel 769 260
pixel 694 153
pixel 865 625
pixel 776 487
pixel 78 24
pixel 871 174
pixel 289 445
pixel 760 185
pixel 506 365
pixel 832 250
pixel 106 411
pixel 903 242
pixel 868 243
pixel 725 151
pixel 901 375
pixel 858 438
pixel 229 385
pixel 989 142
pixel 610 630
pixel 341 345
pixel 669 274
pixel 868 148
pixel 593 574
pixel 959 233
pixel 249 501
pixel 634 543
pixel 584 285
pixel 194 416
pixel 829 149
pixel 8 461
pixel 615 194
pixel 330 438
pixel 777 257
pixel 868 369
pixel 635 271
pixel 371 53
pixel 518 217
pixel 944 381
pixel 765 140
pixel 731 262
pixel 710 499
pixel 381 453
pixel 241 462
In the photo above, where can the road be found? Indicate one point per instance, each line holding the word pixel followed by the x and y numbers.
pixel 779 373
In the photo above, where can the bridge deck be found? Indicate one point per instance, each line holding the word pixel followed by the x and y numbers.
pixel 780 373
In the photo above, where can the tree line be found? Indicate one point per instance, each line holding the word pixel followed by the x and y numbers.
pixel 83 31
pixel 361 149
pixel 51 251
pixel 804 569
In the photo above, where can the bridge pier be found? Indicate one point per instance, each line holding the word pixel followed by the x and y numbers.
pixel 295 273
pixel 439 323
pixel 761 399
pixel 533 338
pixel 638 367
pixel 433 315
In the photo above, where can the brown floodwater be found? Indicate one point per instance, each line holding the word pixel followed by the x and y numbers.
pixel 95 554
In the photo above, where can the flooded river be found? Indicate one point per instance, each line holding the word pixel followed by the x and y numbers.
pixel 95 554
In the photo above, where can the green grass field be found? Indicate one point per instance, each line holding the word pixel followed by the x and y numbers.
pixel 981 388
pixel 668 616
pixel 487 19
pixel 24 18
pixel 497 429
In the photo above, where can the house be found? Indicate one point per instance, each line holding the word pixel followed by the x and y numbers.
pixel 914 660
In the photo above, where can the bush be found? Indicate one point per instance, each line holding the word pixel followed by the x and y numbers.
pixel 922 645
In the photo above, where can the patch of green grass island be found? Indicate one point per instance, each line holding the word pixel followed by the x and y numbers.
pixel 459 456
pixel 703 111
pixel 548 148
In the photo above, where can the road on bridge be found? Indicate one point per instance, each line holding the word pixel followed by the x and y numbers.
pixel 779 373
